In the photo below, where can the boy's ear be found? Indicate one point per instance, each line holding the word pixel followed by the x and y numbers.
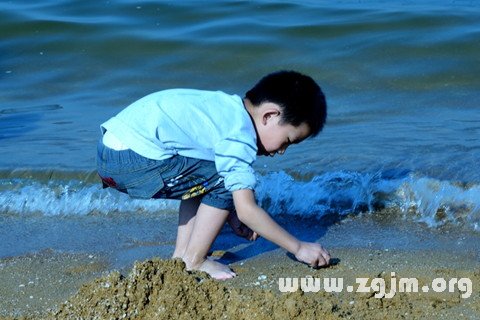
pixel 269 114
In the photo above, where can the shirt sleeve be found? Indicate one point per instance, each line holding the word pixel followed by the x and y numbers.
pixel 234 158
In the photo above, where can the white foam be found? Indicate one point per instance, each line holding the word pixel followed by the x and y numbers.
pixel 438 202
pixel 336 192
pixel 74 198
pixel 427 200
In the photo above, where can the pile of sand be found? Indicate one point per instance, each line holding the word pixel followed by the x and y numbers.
pixel 158 289
pixel 163 289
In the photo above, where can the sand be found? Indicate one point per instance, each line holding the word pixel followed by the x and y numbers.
pixel 58 285
pixel 163 289
pixel 32 284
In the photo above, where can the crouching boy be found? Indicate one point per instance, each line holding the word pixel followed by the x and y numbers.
pixel 199 147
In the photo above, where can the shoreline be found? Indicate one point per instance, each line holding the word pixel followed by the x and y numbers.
pixel 255 289
pixel 34 283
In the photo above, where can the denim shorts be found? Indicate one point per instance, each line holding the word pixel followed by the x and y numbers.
pixel 178 177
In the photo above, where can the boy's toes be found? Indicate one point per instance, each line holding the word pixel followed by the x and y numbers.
pixel 224 275
pixel 217 270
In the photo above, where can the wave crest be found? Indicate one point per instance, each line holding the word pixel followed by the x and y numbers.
pixel 431 201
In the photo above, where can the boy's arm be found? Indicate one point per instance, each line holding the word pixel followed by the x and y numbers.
pixel 259 221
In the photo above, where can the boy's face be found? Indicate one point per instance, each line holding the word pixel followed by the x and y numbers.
pixel 275 137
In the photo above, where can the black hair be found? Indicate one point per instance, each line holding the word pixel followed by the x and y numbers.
pixel 299 96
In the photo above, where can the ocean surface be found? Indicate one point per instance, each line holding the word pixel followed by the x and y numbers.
pixel 402 80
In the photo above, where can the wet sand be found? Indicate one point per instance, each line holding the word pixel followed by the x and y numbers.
pixel 34 283
pixel 53 285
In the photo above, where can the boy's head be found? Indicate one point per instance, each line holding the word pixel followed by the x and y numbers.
pixel 299 97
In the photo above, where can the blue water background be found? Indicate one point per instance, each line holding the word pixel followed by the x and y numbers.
pixel 401 79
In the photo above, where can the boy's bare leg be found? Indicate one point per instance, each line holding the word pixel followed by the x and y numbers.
pixel 207 225
pixel 186 219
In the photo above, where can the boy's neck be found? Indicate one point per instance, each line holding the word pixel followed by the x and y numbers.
pixel 251 109
pixel 248 106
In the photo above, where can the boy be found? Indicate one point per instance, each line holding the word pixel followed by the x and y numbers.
pixel 199 147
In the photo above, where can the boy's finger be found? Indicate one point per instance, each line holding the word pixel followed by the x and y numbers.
pixel 327 259
pixel 322 262
pixel 327 256
pixel 318 262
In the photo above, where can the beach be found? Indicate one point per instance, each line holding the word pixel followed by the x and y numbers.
pixel 55 285
pixel 390 187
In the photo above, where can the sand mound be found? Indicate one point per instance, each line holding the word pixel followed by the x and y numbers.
pixel 158 289
pixel 163 289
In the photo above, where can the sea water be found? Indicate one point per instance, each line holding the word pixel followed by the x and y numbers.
pixel 401 79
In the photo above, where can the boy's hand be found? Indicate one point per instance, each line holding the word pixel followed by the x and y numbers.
pixel 241 229
pixel 313 254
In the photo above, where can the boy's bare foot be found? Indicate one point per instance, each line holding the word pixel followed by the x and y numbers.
pixel 215 269
pixel 177 255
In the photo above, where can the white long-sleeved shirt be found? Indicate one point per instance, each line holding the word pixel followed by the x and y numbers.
pixel 208 125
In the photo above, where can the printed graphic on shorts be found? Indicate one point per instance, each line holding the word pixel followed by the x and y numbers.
pixel 200 189
pixel 188 186
pixel 108 181
pixel 174 181
pixel 196 191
